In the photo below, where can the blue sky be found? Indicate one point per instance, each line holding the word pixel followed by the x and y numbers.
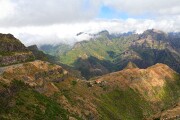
pixel 110 13
pixel 107 12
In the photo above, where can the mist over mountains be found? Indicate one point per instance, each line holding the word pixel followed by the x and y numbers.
pixel 104 52
pixel 66 33
pixel 105 81
pixel 89 60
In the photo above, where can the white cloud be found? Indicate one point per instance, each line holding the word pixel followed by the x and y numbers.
pixel 54 21
pixel 45 12
pixel 153 7
pixel 66 33
pixel 48 12
pixel 6 8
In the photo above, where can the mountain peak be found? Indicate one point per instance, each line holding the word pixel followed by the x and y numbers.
pixel 10 44
pixel 10 36
pixel 154 31
pixel 104 32
pixel 33 47
pixel 131 65
pixel 160 66
pixel 154 34
pixel 13 51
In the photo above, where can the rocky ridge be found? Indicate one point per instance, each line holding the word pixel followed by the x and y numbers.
pixel 12 51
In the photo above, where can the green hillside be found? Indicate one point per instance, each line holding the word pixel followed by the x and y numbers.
pixel 146 49
pixel 101 47
pixel 21 102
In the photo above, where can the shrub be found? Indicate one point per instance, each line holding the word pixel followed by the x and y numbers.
pixel 74 82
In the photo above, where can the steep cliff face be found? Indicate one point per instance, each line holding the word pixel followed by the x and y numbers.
pixel 13 51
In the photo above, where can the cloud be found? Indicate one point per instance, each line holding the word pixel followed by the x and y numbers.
pixel 55 21
pixel 6 8
pixel 150 7
pixel 66 33
pixel 48 12
pixel 45 12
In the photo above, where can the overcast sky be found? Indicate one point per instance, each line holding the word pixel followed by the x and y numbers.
pixel 54 21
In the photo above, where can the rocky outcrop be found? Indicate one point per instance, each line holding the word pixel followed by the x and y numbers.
pixel 17 58
pixel 12 51
pixel 10 44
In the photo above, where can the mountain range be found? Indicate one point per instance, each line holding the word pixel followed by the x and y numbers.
pixel 111 76
pixel 105 52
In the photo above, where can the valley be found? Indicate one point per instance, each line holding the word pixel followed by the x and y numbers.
pixel 128 77
pixel 105 52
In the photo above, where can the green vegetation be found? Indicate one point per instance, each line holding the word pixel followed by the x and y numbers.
pixel 144 50
pixel 10 44
pixel 99 54
pixel 55 50
pixel 22 102
pixel 2 53
pixel 74 82
pixel 171 92
pixel 39 55
pixel 121 96
pixel 93 67
pixel 19 101
pixel 125 105
pixel 101 48
pixel 12 51
pixel 129 105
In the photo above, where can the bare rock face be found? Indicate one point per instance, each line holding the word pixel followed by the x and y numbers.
pixel 13 51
